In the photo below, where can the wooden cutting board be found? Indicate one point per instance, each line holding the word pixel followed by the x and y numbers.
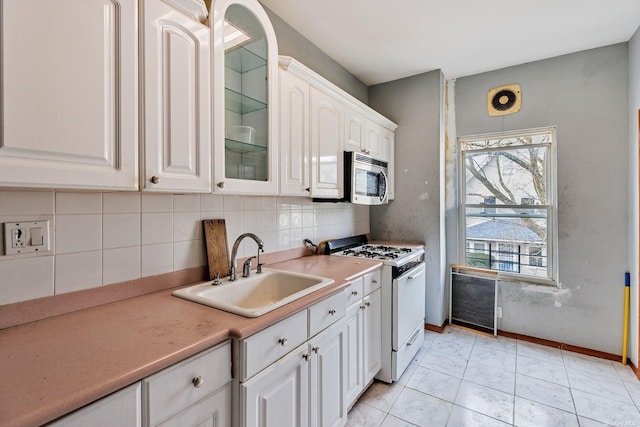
pixel 215 234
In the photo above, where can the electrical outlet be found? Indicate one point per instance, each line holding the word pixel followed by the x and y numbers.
pixel 25 237
pixel 499 312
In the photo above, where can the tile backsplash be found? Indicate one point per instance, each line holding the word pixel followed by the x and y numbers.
pixel 104 238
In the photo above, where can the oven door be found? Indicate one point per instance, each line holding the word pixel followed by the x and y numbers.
pixel 408 304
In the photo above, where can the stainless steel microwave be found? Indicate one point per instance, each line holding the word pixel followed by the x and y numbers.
pixel 365 179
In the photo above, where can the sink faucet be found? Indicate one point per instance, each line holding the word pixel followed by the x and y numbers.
pixel 234 253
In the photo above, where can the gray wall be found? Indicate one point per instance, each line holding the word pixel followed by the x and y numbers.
pixel 634 107
pixel 415 104
pixel 292 43
pixel 585 95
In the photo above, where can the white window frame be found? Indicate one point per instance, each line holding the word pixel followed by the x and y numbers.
pixel 551 206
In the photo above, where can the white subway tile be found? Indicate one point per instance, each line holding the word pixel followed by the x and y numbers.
pixel 211 202
pixel 157 227
pixel 252 203
pixel 297 238
pixel 188 254
pixel 252 222
pixel 269 221
pixel 27 203
pixel 235 225
pixel 82 270
pixel 119 265
pixel 308 219
pixel 77 233
pixel 121 202
pixel 212 215
pixel 295 203
pixel 283 203
pixel 233 203
pixel 270 241
pixel 296 219
pixel 25 279
pixel 284 239
pixel 307 203
pixel 268 203
pixel 186 203
pixel 78 203
pixel 284 220
pixel 120 230
pixel 157 259
pixel 157 203
pixel 187 226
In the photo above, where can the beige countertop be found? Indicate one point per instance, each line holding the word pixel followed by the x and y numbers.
pixel 53 366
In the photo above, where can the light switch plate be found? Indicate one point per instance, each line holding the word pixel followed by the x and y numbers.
pixel 24 237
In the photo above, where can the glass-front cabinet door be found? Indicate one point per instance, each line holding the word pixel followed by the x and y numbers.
pixel 245 99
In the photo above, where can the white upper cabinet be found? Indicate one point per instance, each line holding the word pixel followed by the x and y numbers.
pixel 177 101
pixel 318 122
pixel 354 128
pixel 327 160
pixel 245 108
pixel 69 94
pixel 294 135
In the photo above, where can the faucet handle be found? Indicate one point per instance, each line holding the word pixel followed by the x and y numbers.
pixel 216 281
pixel 246 267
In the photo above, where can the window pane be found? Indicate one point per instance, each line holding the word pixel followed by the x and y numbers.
pixel 504 243
pixel 507 177
pixel 505 141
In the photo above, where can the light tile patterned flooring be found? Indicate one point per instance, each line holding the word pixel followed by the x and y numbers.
pixel 463 379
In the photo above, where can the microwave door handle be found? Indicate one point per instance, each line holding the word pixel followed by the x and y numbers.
pixel 383 179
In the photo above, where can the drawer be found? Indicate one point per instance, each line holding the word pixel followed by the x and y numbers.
pixel 355 291
pixel 402 358
pixel 326 312
pixel 371 282
pixel 267 346
pixel 173 389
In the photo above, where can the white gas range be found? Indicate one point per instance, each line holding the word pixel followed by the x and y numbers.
pixel 402 299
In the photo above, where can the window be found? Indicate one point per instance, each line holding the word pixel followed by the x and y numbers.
pixel 507 206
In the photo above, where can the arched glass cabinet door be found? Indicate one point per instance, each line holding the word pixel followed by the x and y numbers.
pixel 245 129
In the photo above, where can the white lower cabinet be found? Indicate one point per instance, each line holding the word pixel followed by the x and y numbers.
pixel 194 392
pixel 307 386
pixel 121 408
pixel 363 339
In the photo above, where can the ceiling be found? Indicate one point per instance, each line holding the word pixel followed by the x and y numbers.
pixel 382 41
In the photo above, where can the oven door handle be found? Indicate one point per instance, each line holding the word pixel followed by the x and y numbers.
pixel 413 338
pixel 416 272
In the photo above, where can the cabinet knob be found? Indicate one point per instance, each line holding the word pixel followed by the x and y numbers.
pixel 220 184
pixel 332 312
pixel 354 293
pixel 374 281
pixel 282 341
pixel 362 307
pixel 306 356
pixel 307 189
pixel 367 304
pixel 154 179
pixel 198 381
pixel 316 349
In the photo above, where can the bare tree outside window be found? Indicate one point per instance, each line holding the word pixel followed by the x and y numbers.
pixel 506 200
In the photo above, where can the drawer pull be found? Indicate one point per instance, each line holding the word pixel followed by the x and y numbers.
pixel 198 381
pixel 316 349
pixel 367 303
pixel 362 307
pixel 354 293
pixel 374 281
pixel 332 312
pixel 282 341
pixel 306 356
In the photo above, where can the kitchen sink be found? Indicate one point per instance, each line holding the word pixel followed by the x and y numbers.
pixel 255 295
